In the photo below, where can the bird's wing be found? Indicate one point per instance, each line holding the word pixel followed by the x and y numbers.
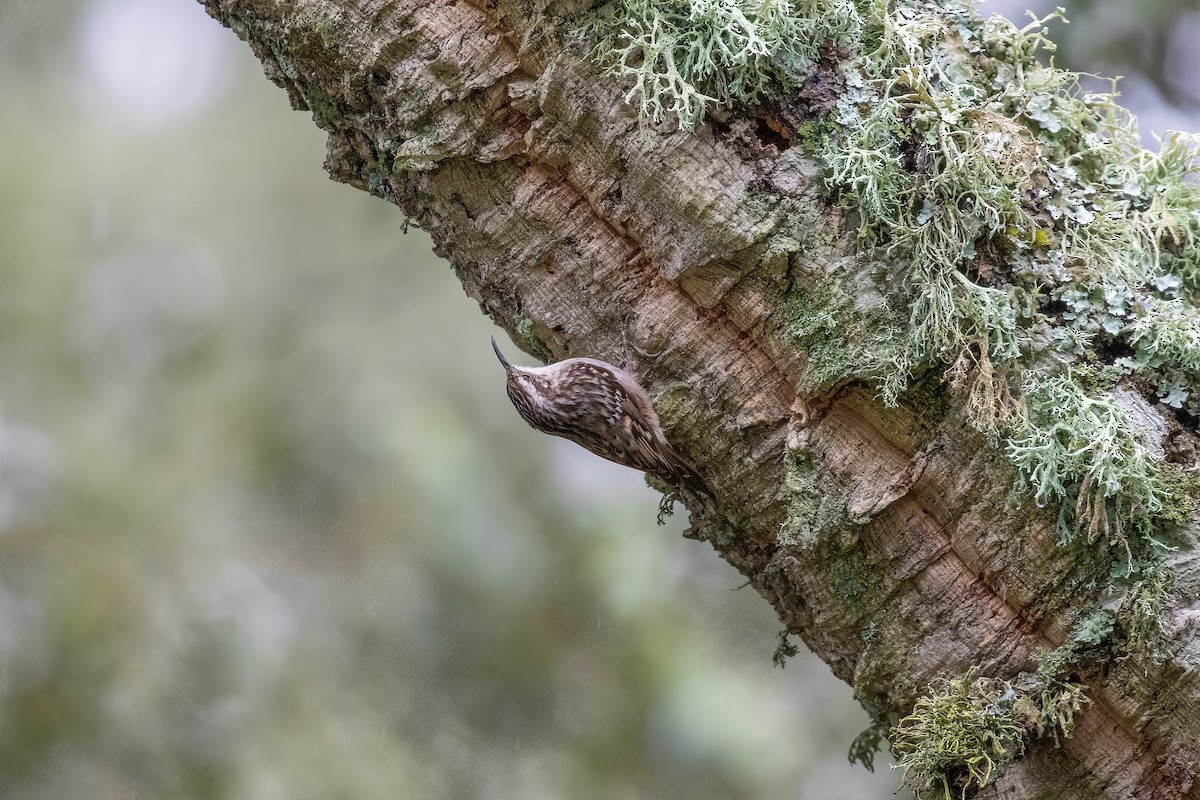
pixel 630 426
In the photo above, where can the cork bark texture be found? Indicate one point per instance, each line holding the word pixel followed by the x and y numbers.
pixel 889 539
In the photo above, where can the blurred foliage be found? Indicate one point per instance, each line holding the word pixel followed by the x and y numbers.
pixel 1151 43
pixel 269 527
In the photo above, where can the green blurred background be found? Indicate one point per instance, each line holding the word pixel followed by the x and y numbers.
pixel 269 527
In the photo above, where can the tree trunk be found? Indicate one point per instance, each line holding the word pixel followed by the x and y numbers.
pixel 890 538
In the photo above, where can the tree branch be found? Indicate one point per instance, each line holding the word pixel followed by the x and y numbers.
pixel 890 539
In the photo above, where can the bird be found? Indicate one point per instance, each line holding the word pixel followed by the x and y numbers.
pixel 601 407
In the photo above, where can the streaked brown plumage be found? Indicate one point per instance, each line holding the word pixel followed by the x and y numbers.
pixel 602 408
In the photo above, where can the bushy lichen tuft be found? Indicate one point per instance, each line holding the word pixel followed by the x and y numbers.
pixel 1143 612
pixel 680 57
pixel 1068 443
pixel 964 731
pixel 958 736
pixel 1057 704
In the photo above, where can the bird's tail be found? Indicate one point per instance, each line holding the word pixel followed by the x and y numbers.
pixel 684 475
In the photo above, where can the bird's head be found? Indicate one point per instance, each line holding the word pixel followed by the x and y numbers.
pixel 530 388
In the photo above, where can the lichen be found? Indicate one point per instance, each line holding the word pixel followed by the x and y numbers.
pixel 1024 243
pixel 945 126
pixel 959 736
pixel 1057 704
pixel 1057 697
pixel 1143 613
pixel 964 731
pixel 1033 248
pixel 679 57
pixel 869 742
pixel 1068 443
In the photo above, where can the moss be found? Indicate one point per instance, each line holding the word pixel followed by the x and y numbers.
pixel 324 107
pixel 815 512
pixel 847 331
pixel 783 650
pixel 675 405
pixel 869 742
pixel 811 509
pixel 883 680
pixel 1180 496
pixel 812 134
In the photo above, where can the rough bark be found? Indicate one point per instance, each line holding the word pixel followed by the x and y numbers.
pixel 888 538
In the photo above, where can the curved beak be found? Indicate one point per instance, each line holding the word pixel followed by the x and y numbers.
pixel 499 355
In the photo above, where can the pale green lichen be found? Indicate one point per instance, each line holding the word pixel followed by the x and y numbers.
pixel 1166 336
pixel 1031 231
pixel 964 731
pixel 1070 443
pixel 1143 611
pixel 959 736
pixel 1057 704
pixel 680 57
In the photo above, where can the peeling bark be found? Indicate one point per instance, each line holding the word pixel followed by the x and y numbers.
pixel 890 539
